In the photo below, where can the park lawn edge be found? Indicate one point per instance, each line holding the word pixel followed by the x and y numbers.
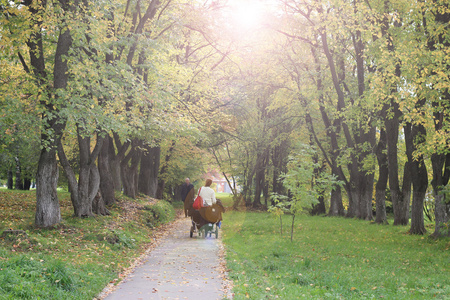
pixel 78 258
pixel 331 258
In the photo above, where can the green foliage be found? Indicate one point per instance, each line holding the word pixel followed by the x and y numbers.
pixel 159 213
pixel 332 258
pixel 302 182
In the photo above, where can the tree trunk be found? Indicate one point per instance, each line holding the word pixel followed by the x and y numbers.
pixel 155 155
pixel 248 189
pixel 260 176
pixel 319 208
pixel 106 178
pixel 19 183
pixel 417 220
pixel 383 172
pixel 47 205
pixel 258 188
pixel 354 195
pixel 441 175
pixel 336 206
pixel 144 172
pixel 160 190
pixel 129 170
pixel 161 180
pixel 26 184
pixel 116 174
pixel 98 204
pixel 10 180
pixel 419 177
pixel 368 197
pixel 440 162
pixel 115 159
pixel 331 156
pixel 400 199
pixel 148 175
pixel 83 190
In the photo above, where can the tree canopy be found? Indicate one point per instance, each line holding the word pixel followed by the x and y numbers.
pixel 341 105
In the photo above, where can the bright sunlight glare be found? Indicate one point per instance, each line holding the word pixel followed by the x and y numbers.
pixel 247 14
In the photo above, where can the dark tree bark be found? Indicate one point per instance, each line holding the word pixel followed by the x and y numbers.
pixel 144 171
pixel 106 178
pixel 47 203
pixel 260 176
pixel 331 156
pixel 319 208
pixel 336 206
pixel 26 183
pixel 155 154
pixel 98 206
pixel 115 159
pixel 440 161
pixel 83 190
pixel 279 166
pixel 47 206
pixel 419 175
pixel 441 175
pixel 164 168
pixel 19 183
pixel 380 188
pixel 400 196
pixel 10 180
pixel 247 191
pixel 148 176
pixel 129 170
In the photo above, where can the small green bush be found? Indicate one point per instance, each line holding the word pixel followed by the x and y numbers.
pixel 158 213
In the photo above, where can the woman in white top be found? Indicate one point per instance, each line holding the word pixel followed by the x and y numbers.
pixel 208 194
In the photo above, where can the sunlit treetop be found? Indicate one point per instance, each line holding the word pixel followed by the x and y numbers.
pixel 244 17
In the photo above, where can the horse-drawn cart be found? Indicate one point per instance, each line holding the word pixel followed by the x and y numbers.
pixel 207 220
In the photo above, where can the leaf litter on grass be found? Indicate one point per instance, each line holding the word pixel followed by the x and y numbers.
pixel 94 257
pixel 374 265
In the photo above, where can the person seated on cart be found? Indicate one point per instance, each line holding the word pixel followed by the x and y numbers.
pixel 207 193
pixel 212 209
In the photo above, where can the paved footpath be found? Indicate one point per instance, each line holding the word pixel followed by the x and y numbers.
pixel 179 267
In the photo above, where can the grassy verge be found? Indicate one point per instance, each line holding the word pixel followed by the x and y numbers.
pixel 226 198
pixel 79 257
pixel 332 258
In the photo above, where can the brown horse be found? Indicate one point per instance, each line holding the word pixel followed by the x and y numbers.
pixel 205 215
pixel 188 201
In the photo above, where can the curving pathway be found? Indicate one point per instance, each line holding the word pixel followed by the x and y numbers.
pixel 179 267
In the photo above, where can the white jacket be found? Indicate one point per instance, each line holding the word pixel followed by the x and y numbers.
pixel 208 195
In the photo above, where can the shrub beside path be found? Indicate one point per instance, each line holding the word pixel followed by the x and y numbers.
pixel 177 267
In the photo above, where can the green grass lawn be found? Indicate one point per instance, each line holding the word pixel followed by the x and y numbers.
pixel 226 198
pixel 332 258
pixel 79 257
